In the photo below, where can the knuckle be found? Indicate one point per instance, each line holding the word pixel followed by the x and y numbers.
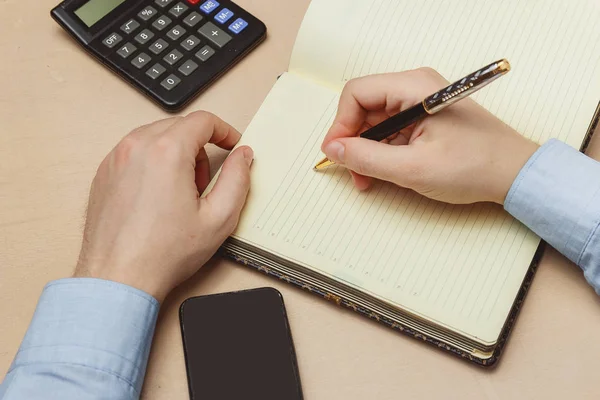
pixel 352 84
pixel 427 71
pixel 126 147
pixel 432 75
pixel 201 116
pixel 166 147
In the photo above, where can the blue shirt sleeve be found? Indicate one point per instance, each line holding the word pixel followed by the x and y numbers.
pixel 88 339
pixel 557 195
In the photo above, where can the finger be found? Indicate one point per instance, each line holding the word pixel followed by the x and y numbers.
pixel 202 170
pixel 389 92
pixel 374 159
pixel 376 117
pixel 226 200
pixel 361 182
pixel 199 128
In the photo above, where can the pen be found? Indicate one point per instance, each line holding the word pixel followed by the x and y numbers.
pixel 433 104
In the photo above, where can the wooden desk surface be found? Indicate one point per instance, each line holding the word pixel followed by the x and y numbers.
pixel 61 112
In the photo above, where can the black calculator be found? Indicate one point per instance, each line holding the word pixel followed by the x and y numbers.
pixel 171 50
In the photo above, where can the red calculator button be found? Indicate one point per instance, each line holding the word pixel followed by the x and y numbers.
pixel 193 1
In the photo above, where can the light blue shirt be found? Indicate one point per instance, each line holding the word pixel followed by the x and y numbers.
pixel 89 339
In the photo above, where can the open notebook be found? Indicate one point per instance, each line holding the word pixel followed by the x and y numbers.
pixel 451 275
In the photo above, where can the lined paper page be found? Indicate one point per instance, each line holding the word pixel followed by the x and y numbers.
pixel 459 266
pixel 553 46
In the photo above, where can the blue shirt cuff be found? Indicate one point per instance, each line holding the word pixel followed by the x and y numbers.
pixel 557 195
pixel 103 325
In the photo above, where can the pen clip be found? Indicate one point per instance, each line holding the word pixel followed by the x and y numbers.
pixel 466 86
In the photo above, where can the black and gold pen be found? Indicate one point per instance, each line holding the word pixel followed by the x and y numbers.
pixel 433 104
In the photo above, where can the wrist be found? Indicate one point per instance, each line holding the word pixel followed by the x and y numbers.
pixel 514 157
pixel 122 276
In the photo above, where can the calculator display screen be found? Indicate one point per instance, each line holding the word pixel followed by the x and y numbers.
pixel 94 10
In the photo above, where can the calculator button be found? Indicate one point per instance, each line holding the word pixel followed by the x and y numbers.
pixel 193 1
pixel 192 19
pixel 130 26
pixel 112 40
pixel 238 26
pixel 127 50
pixel 163 3
pixel 224 15
pixel 159 46
pixel 156 71
pixel 190 43
pixel 208 6
pixel 188 67
pixel 144 36
pixel 173 57
pixel 170 82
pixel 147 13
pixel 176 32
pixel 205 53
pixel 161 22
pixel 179 9
pixel 214 34
pixel 140 60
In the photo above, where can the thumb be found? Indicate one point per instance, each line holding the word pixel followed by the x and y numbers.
pixel 375 159
pixel 228 196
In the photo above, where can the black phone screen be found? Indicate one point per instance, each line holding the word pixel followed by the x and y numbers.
pixel 239 346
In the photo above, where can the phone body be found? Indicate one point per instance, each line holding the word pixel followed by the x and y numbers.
pixel 238 345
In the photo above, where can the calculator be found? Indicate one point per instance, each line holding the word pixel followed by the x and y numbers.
pixel 171 50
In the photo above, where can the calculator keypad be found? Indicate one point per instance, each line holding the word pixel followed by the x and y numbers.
pixel 173 57
pixel 188 67
pixel 214 34
pixel 205 53
pixel 127 50
pixel 190 43
pixel 144 36
pixel 178 10
pixel 192 19
pixel 174 41
pixel 130 26
pixel 156 71
pixel 170 82
pixel 159 46
pixel 140 60
pixel 112 40
pixel 161 23
pixel 224 16
pixel 209 6
pixel 163 3
pixel 147 13
pixel 176 32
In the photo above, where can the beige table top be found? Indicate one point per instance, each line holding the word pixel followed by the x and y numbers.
pixel 61 112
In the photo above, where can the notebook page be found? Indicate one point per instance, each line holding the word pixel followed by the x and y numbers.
pixel 460 266
pixel 553 46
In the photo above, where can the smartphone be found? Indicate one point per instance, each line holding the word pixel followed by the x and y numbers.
pixel 239 345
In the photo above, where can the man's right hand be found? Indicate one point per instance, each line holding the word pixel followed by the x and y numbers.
pixel 461 155
pixel 146 225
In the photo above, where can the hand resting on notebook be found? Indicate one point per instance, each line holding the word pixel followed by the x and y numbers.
pixel 146 224
pixel 461 155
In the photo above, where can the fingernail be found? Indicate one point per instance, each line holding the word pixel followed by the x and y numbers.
pixel 248 155
pixel 335 151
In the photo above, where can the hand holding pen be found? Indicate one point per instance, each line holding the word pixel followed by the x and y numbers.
pixel 462 155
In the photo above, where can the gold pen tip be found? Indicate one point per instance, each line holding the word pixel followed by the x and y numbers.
pixel 504 65
pixel 324 163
